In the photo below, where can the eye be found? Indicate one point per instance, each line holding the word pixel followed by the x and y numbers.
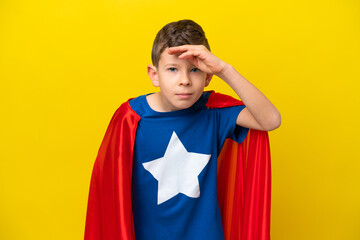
pixel 172 69
pixel 195 70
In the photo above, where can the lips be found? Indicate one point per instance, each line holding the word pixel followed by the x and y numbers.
pixel 184 95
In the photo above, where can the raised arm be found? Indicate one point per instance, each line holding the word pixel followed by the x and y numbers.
pixel 259 113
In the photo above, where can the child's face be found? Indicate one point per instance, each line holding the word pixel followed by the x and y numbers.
pixel 181 83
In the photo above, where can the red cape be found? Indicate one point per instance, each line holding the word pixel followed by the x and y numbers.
pixel 244 181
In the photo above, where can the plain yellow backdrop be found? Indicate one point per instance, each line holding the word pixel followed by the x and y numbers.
pixel 66 65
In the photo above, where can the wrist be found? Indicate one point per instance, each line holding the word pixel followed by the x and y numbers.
pixel 226 68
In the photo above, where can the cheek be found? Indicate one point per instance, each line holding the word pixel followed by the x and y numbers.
pixel 200 82
pixel 168 78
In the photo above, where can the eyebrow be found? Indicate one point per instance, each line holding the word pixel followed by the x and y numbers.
pixel 176 65
pixel 171 64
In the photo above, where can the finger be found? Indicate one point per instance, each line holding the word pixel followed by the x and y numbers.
pixel 193 60
pixel 192 53
pixel 177 50
pixel 182 48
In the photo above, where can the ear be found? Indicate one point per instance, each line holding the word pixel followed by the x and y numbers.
pixel 153 74
pixel 208 79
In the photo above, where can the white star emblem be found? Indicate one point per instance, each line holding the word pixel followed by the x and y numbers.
pixel 177 171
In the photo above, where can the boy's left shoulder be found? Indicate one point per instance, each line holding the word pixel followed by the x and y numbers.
pixel 219 100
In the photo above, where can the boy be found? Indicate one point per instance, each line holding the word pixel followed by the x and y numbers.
pixel 155 176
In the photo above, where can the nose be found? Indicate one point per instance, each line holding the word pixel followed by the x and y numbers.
pixel 185 80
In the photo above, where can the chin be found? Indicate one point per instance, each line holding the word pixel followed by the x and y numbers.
pixel 185 105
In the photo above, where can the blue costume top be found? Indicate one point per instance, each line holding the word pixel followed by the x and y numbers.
pixel 174 191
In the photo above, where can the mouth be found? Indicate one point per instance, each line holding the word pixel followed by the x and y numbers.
pixel 184 95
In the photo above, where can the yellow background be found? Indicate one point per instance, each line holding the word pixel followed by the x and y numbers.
pixel 65 66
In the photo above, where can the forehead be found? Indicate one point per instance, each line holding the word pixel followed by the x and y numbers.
pixel 166 59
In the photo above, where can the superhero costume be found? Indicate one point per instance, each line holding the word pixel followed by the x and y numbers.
pixel 244 180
